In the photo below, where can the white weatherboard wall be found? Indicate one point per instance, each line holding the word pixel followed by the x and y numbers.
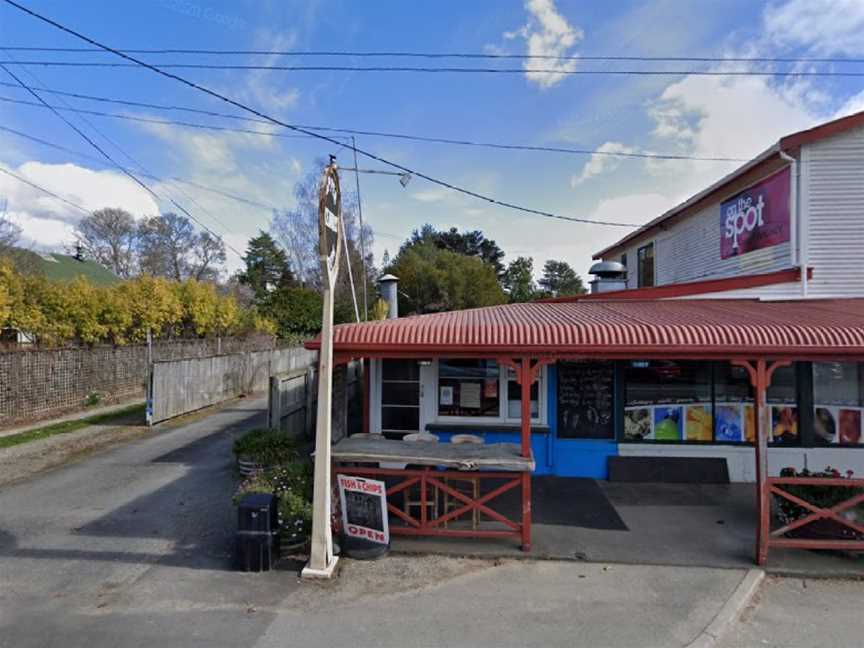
pixel 742 459
pixel 690 251
pixel 832 183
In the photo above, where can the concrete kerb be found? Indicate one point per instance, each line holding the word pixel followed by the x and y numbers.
pixel 731 610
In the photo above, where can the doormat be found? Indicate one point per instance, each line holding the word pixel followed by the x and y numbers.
pixel 565 501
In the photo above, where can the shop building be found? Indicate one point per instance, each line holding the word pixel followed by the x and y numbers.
pixel 762 267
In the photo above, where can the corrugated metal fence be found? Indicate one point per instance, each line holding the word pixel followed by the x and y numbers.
pixel 181 386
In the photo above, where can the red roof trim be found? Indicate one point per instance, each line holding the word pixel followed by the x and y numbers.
pixel 691 328
pixel 692 288
pixel 828 129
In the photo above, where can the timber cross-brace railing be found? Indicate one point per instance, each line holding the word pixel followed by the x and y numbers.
pixel 775 538
pixel 761 372
pixel 431 482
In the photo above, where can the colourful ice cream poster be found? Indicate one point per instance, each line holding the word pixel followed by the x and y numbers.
pixel 749 424
pixel 668 424
pixel 637 424
pixel 728 425
pixel 697 424
pixel 825 425
pixel 784 423
pixel 850 426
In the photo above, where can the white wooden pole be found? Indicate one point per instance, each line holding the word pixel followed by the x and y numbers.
pixel 321 558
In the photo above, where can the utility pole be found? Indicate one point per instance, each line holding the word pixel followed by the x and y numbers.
pixel 322 562
pixel 362 233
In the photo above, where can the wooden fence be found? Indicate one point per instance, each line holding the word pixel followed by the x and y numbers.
pixel 178 387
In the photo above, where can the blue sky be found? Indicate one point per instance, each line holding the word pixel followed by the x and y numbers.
pixel 685 114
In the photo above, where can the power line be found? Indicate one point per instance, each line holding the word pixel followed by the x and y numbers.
pixel 107 156
pixel 44 190
pixel 435 70
pixel 242 199
pixel 129 157
pixel 418 138
pixel 442 55
pixel 326 138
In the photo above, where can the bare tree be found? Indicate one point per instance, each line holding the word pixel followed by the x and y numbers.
pixel 208 252
pixel 169 246
pixel 9 231
pixel 109 236
pixel 297 231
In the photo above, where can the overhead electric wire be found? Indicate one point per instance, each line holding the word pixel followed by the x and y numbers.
pixel 249 201
pixel 107 156
pixel 134 161
pixel 434 70
pixel 440 55
pixel 404 136
pixel 257 113
pixel 44 190
pixel 86 156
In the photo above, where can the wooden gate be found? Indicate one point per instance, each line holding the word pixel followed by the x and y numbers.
pixel 291 402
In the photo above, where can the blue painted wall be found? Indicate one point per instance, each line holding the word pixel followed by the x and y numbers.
pixel 554 456
pixel 574 457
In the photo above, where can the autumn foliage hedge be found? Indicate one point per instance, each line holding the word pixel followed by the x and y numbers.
pixel 80 312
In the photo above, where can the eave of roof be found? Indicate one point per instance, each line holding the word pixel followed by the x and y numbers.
pixel 696 328
pixel 704 287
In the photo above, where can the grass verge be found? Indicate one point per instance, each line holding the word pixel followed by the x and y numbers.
pixel 70 426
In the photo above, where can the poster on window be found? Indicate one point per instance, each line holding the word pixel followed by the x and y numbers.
pixel 837 424
pixel 469 395
pixel 364 509
pixel 784 423
pixel 638 424
pixel 697 423
pixel 728 426
pixel 756 218
pixel 667 423
pixel 445 396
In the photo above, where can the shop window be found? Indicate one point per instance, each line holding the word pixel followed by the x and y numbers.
pixel 667 401
pixel 734 412
pixel 734 418
pixel 400 396
pixel 468 388
pixel 514 397
pixel 838 402
pixel 645 270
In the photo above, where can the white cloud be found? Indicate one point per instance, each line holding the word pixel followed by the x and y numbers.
pixel 602 161
pixel 48 222
pixel 823 26
pixel 853 105
pixel 547 33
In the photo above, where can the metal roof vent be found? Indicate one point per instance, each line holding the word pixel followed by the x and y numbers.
pixel 609 276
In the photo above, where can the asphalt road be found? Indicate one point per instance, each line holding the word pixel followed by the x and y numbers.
pixel 132 547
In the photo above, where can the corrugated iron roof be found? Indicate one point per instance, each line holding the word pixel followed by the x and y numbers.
pixel 650 328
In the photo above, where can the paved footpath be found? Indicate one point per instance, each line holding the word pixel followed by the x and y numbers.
pixel 132 545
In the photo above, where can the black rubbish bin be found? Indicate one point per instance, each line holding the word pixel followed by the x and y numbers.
pixel 257 532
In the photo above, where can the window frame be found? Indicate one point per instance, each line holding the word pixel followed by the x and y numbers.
pixel 489 421
pixel 640 263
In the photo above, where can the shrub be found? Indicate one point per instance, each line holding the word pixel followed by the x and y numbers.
pixel 268 447
pixel 821 496
pixel 292 485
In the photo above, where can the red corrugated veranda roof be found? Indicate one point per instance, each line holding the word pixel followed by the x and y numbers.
pixel 697 328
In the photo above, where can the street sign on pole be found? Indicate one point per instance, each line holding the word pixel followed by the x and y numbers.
pixel 321 558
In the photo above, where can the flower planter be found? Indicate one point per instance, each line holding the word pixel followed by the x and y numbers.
pixel 822 529
pixel 249 467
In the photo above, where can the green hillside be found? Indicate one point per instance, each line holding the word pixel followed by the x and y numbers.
pixel 63 267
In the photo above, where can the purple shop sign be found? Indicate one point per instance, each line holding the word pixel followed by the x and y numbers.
pixel 756 218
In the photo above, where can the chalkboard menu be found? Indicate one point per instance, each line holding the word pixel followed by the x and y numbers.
pixel 585 400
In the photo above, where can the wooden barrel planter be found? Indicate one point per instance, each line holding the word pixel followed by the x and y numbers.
pixel 249 467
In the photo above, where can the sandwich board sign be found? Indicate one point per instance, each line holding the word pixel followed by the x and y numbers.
pixel 364 509
pixel 321 559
